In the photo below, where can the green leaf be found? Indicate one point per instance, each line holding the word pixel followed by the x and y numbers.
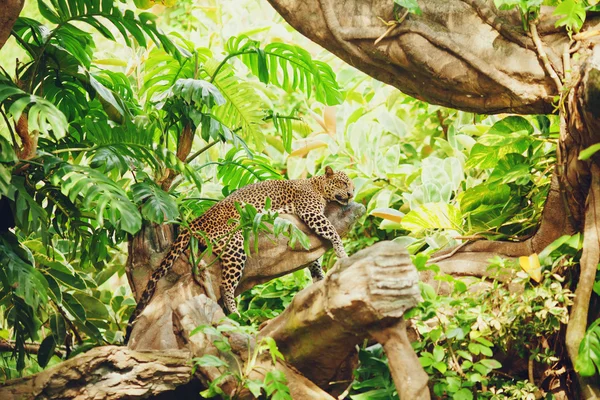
pixel 157 205
pixel 588 359
pixel 482 157
pixel 197 92
pixel 255 386
pixel 276 386
pixel 433 216
pixel 237 170
pixel 7 159
pixel 46 350
pixel 243 107
pixel 289 67
pixel 588 152
pixel 111 103
pixel 463 394
pixel 19 273
pixel 42 115
pixel 511 124
pixel 490 364
pixel 209 360
pixel 99 194
pixel 58 327
pixel 484 195
pixel 94 308
pixel 411 5
pixel 440 366
pixel 572 15
pixel 438 353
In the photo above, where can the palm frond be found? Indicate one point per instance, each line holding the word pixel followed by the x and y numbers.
pixel 237 170
pixel 287 66
pixel 42 115
pixel 95 13
pixel 162 70
pixel 98 194
pixel 244 107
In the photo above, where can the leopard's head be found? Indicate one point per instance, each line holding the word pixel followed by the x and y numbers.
pixel 338 187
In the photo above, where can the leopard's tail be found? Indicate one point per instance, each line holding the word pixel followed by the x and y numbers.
pixel 179 245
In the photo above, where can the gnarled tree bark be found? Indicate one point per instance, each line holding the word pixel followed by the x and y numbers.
pixel 467 54
pixel 10 10
pixel 362 297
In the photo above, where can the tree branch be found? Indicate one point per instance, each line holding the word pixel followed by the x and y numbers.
pixel 10 12
pixel 107 372
pixel 478 60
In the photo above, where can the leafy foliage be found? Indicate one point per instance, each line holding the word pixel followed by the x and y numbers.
pixel 274 384
pixel 410 5
pixel 287 66
pixel 572 15
pixel 42 115
pixel 112 122
pixel 588 360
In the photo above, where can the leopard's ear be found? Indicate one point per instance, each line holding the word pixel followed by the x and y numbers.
pixel 328 172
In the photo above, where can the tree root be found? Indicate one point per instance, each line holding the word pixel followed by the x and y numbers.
pixel 589 261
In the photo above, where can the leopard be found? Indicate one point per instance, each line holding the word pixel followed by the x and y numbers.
pixel 305 198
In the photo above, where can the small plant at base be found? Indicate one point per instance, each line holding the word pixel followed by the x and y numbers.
pixel 274 384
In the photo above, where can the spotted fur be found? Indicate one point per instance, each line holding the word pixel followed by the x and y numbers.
pixel 305 198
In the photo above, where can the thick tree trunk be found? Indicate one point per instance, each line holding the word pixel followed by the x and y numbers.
pixel 9 12
pixel 107 372
pixel 459 53
pixel 154 327
pixel 362 297
pixel 467 54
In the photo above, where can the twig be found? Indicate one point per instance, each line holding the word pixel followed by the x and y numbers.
pixel 345 392
pixel 575 48
pixel 393 25
pixel 472 237
pixel 567 63
pixel 453 252
pixel 530 371
pixel 586 35
pixel 543 56
pixel 202 150
pixel 32 348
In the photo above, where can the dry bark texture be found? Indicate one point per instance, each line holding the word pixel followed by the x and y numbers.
pixel 459 53
pixel 108 372
pixel 154 330
pixel 466 54
pixel 9 12
pixel 362 297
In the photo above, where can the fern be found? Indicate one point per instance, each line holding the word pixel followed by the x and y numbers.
pixel 287 66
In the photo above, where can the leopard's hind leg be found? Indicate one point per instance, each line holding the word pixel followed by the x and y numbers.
pixel 316 272
pixel 233 260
